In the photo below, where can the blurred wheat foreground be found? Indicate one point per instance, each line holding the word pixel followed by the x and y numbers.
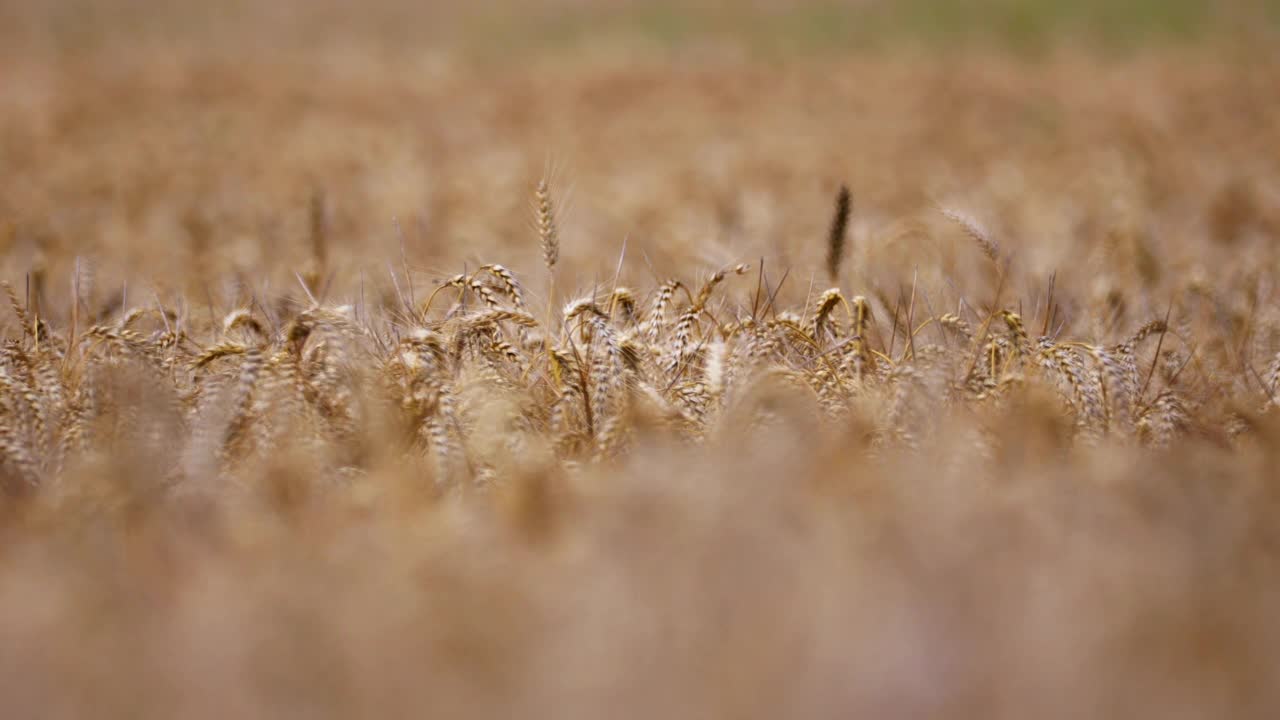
pixel 916 387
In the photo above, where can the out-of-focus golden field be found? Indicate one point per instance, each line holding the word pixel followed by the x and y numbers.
pixel 404 360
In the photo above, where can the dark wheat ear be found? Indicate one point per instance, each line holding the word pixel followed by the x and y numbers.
pixel 313 274
pixel 318 228
pixel 836 235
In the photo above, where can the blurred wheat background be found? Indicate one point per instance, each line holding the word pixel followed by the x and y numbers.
pixel 640 359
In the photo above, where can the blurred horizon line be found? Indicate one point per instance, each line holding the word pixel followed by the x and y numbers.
pixel 489 28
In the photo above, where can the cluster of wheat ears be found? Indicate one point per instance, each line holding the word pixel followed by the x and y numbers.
pixel 475 380
pixel 993 433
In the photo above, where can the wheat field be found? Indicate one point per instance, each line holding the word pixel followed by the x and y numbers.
pixel 588 360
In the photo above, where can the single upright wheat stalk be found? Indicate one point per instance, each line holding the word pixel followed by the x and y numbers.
pixel 546 219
